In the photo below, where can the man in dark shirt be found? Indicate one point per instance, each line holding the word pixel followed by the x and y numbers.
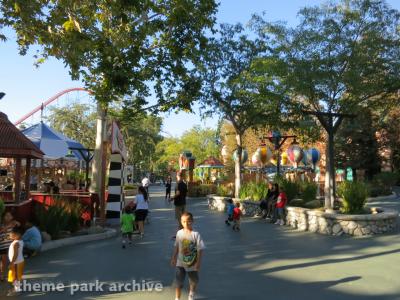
pixel 180 198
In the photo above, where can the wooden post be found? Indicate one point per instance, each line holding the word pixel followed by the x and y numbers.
pixel 28 178
pixel 17 180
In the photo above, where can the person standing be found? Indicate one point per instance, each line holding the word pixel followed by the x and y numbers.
pixel 180 198
pixel 5 241
pixel 237 214
pixel 142 208
pixel 146 184
pixel 280 207
pixel 187 256
pixel 16 259
pixel 127 224
pixel 168 185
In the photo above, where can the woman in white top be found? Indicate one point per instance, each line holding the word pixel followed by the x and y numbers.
pixel 142 208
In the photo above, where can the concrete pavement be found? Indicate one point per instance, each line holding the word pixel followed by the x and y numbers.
pixel 263 261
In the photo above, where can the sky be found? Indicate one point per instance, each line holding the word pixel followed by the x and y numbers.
pixel 26 86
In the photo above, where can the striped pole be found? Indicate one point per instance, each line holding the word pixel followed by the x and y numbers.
pixel 115 188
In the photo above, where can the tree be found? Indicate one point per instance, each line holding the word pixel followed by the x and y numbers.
pixel 200 141
pixel 356 144
pixel 78 122
pixel 236 85
pixel 338 56
pixel 117 48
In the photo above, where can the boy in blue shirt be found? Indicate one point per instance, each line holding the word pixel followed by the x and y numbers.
pixel 230 208
pixel 32 239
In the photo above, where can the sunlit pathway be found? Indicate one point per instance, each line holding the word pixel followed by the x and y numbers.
pixel 263 261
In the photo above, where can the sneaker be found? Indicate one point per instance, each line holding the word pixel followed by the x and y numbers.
pixel 227 223
pixel 282 223
pixel 191 296
pixel 277 222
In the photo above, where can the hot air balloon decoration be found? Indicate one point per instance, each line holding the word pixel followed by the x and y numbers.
pixel 265 154
pixel 225 153
pixel 313 156
pixel 256 159
pixel 245 155
pixel 284 159
pixel 295 154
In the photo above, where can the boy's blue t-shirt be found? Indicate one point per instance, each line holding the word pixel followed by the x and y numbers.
pixel 231 206
pixel 32 238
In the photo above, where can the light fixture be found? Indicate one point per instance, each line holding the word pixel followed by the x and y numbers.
pixel 2 95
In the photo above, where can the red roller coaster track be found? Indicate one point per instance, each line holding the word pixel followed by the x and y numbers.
pixel 44 104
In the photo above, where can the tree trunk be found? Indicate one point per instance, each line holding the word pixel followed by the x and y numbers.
pixel 238 165
pixel 330 172
pixel 98 172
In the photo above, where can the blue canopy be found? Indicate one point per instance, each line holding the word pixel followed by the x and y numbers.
pixel 54 144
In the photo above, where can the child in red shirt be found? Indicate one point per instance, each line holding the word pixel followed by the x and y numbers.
pixel 280 207
pixel 237 213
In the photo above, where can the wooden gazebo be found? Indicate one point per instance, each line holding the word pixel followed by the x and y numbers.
pixel 13 144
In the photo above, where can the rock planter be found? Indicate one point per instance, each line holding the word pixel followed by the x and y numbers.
pixel 379 221
pixel 331 223
pixel 248 207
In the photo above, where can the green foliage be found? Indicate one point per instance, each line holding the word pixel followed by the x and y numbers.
pixel 2 209
pixel 77 122
pixel 291 188
pixel 118 47
pixel 200 141
pixel 201 190
pixel 354 195
pixel 130 187
pixel 297 202
pixel 63 215
pixel 253 191
pixel 225 190
pixel 308 191
pixel 385 180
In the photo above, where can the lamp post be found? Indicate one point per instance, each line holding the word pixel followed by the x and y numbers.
pixel 2 95
pixel 331 122
pixel 278 140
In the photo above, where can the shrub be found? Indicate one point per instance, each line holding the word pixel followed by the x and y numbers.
pixel 354 195
pixel 291 188
pixel 253 191
pixel 60 216
pixel 382 183
pixel 2 209
pixel 297 202
pixel 201 190
pixel 308 191
pixel 225 191
pixel 130 187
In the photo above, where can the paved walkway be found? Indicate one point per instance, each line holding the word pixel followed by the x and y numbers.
pixel 263 261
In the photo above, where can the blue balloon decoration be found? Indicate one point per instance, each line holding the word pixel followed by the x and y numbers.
pixel 313 156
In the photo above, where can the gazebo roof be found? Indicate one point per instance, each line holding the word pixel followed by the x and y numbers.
pixel 211 162
pixel 15 144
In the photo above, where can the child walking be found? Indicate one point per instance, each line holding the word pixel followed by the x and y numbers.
pixel 16 258
pixel 231 206
pixel 187 256
pixel 237 213
pixel 127 225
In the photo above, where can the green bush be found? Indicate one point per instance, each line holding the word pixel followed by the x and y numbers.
pixel 130 187
pixel 225 191
pixel 308 191
pixel 253 191
pixel 62 215
pixel 297 203
pixel 382 183
pixel 201 190
pixel 354 195
pixel 291 188
pixel 2 209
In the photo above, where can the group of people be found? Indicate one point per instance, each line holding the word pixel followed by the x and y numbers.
pixel 134 215
pixel 16 244
pixel 188 245
pixel 273 206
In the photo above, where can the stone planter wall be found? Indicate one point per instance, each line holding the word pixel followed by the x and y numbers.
pixel 249 208
pixel 337 224
pixel 305 219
